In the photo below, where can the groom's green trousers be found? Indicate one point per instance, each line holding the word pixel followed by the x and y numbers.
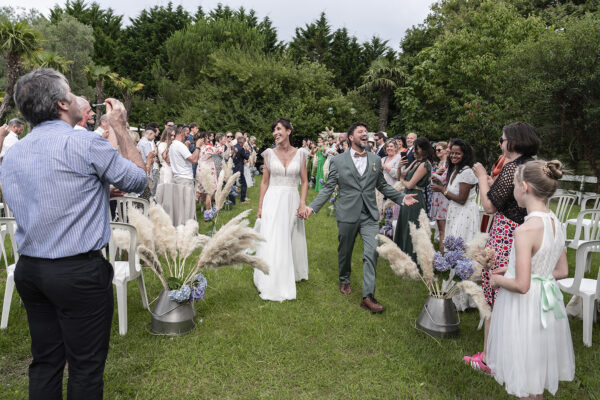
pixel 368 229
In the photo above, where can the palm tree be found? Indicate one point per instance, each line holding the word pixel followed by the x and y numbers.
pixel 17 40
pixel 128 87
pixel 382 76
pixel 98 75
pixel 49 59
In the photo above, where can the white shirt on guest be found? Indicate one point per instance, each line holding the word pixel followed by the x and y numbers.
pixel 359 162
pixel 79 128
pixel 179 153
pixel 9 140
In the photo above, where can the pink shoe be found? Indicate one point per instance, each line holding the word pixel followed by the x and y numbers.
pixel 479 365
pixel 474 357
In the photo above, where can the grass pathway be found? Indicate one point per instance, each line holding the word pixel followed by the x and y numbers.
pixel 320 346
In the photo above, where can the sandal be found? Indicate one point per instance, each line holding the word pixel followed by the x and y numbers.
pixel 476 362
pixel 474 357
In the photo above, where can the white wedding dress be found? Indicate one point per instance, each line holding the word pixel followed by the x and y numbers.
pixel 285 247
pixel 530 349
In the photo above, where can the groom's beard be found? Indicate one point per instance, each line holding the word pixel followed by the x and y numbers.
pixel 359 143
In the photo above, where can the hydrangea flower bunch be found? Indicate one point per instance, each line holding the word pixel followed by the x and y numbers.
pixel 209 215
pixel 387 229
pixel 198 287
pixel 321 181
pixel 180 295
pixel 454 258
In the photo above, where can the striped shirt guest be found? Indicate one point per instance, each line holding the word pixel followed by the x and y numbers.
pixel 56 182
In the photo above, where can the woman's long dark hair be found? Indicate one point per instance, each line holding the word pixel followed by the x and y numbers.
pixel 422 143
pixel 467 161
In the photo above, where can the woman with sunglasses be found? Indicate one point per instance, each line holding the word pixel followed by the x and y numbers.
pixel 519 143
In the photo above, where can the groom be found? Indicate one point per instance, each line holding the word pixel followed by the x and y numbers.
pixel 358 173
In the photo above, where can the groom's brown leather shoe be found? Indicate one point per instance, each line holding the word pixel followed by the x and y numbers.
pixel 345 288
pixel 369 303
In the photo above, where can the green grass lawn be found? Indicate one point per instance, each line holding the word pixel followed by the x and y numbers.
pixel 320 346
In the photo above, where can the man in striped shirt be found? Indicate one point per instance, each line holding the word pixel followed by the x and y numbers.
pixel 56 182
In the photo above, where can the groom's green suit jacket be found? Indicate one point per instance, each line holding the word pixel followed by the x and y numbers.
pixel 356 192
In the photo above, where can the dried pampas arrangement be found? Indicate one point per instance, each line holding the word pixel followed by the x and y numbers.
pixel 403 265
pixel 176 245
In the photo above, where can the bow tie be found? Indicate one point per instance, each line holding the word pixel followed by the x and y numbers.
pixel 357 154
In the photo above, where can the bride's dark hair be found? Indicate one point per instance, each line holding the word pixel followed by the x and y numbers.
pixel 286 123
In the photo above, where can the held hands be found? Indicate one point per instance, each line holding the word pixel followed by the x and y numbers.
pixel 304 212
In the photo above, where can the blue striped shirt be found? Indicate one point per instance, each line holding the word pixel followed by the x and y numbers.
pixel 56 183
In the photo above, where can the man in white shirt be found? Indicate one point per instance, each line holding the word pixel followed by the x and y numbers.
pixel 11 136
pixel 182 159
pixel 87 113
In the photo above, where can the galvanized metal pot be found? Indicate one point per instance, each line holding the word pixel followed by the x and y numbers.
pixel 439 318
pixel 172 318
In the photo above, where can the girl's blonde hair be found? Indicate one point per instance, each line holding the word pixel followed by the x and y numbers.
pixel 542 176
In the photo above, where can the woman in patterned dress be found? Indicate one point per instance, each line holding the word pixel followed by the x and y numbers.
pixel 206 163
pixel 439 203
pixel 519 143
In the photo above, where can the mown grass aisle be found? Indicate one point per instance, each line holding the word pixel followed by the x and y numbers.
pixel 320 346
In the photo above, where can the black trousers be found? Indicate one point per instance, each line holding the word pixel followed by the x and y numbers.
pixel 69 303
pixel 243 187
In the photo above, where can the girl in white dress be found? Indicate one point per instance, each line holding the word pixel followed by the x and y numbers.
pixel 529 347
pixel 462 218
pixel 278 206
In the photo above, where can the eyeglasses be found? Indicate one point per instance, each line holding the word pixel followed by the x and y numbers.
pixel 438 150
pixel 502 140
pixel 230 137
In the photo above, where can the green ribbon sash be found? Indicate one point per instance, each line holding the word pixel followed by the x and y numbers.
pixel 551 298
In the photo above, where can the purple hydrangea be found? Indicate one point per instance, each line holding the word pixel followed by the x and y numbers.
pixel 452 257
pixel 453 243
pixel 439 263
pixel 198 288
pixel 321 181
pixel 332 200
pixel 389 213
pixel 209 215
pixel 180 295
pixel 464 268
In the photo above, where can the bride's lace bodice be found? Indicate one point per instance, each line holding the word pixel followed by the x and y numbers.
pixel 545 259
pixel 280 176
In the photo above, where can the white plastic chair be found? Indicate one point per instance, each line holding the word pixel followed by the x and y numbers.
pixel 126 271
pixel 125 203
pixel 587 289
pixel 592 220
pixel 589 202
pixel 8 228
pixel 564 204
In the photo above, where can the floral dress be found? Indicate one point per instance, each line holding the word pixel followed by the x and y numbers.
pixel 206 162
pixel 439 202
pixel 508 217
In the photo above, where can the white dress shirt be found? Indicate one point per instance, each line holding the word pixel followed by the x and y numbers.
pixel 359 162
pixel 9 141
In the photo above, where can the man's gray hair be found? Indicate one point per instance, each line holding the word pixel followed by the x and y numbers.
pixel 37 94
pixel 15 122
pixel 104 118
pixel 252 137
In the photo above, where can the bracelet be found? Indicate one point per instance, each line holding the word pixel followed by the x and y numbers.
pixel 446 193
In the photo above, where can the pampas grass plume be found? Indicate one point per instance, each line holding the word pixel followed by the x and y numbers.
pixel 400 262
pixel 476 293
pixel 421 239
pixel 207 181
pixel 326 169
pixel 143 226
pixel 223 193
pixel 164 231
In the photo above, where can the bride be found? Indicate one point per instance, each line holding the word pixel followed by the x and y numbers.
pixel 285 247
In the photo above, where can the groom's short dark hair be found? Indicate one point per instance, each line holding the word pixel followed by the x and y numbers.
pixel 353 127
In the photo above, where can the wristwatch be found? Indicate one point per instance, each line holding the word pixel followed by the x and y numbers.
pixel 445 192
